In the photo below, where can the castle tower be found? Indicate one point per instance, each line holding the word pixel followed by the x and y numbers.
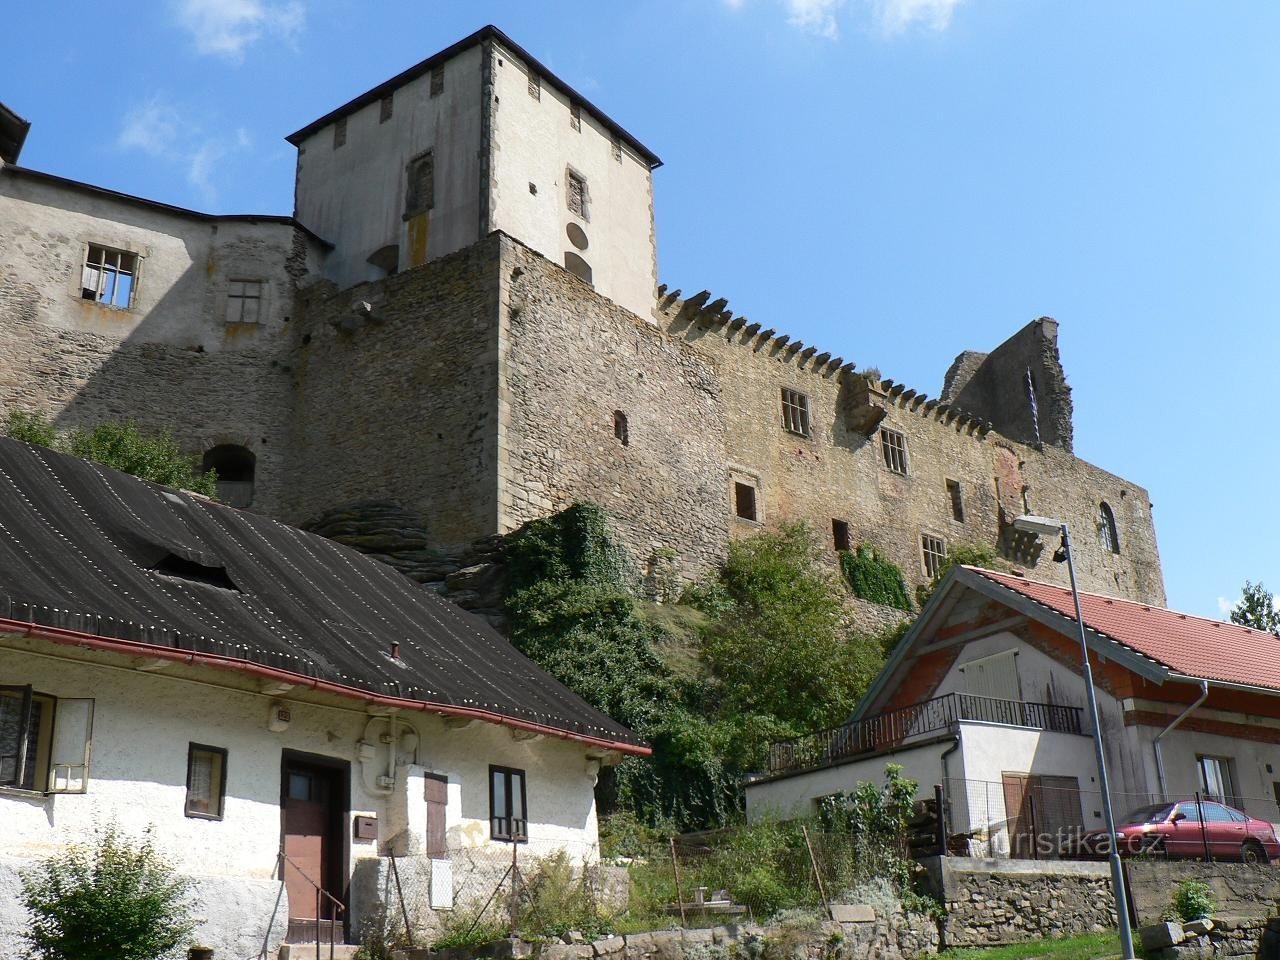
pixel 477 138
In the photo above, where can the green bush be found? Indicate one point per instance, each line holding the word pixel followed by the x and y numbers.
pixel 553 901
pixel 463 928
pixel 1193 900
pixel 872 577
pixel 115 900
pixel 154 456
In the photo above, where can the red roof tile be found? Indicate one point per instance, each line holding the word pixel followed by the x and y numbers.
pixel 1195 646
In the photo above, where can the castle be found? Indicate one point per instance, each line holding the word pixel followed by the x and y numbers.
pixel 463 317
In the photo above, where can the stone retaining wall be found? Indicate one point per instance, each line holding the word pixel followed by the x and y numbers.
pixel 1239 889
pixel 1220 938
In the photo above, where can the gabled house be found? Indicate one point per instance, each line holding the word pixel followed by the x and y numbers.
pixel 984 697
pixel 279 711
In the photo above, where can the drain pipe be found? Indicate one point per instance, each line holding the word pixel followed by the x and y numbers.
pixel 1204 693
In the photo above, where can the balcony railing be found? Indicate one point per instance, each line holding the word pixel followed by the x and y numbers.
pixel 892 728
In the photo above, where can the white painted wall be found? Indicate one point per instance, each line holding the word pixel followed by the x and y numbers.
pixel 186 265
pixel 533 143
pixel 144 723
pixel 794 796
pixel 353 195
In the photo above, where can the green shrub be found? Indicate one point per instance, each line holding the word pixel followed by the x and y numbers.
pixel 554 900
pixel 1193 900
pixel 30 428
pixel 115 900
pixel 872 577
pixel 464 928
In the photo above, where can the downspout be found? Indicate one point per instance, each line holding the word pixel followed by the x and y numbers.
pixel 1204 693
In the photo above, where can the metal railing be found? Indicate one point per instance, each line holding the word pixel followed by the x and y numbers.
pixel 894 727
pixel 321 896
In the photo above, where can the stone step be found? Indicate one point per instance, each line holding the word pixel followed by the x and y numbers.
pixel 307 951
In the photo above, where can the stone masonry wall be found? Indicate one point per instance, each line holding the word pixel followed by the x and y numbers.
pixel 401 405
pixel 990 902
pixel 1239 889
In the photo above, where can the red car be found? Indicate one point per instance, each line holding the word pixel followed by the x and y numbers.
pixel 1176 829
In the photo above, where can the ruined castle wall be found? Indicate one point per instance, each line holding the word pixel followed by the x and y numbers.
pixel 570 360
pixel 400 406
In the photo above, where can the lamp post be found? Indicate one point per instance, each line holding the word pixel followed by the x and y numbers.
pixel 1047 526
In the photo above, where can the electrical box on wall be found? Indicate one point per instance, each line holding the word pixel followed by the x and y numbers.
pixel 366 828
pixel 279 718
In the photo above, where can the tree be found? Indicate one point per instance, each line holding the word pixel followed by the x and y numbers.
pixel 115 900
pixel 1257 609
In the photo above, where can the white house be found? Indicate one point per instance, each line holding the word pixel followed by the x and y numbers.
pixel 279 711
pixel 984 696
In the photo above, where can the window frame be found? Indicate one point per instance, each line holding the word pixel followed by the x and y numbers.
pixel 955 493
pixel 796 414
pixel 1108 532
pixel 27 767
pixel 413 209
pixel 1226 773
pixel 242 297
pixel 583 213
pixel 507 774
pixel 939 554
pixel 106 251
pixel 894 454
pixel 841 533
pixel 621 428
pixel 192 749
pixel 738 486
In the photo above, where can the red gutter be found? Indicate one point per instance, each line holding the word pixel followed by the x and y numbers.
pixel 76 638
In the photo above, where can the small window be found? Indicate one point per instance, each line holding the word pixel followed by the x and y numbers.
pixel 575 117
pixel 236 466
pixel 1107 532
pixel 617 149
pixel 26 738
pixel 933 551
pixel 840 535
pixel 206 781
pixel 420 191
pixel 576 195
pixel 535 86
pixel 109 277
pixel 620 431
pixel 244 301
pixel 339 133
pixel 957 501
pixel 1216 776
pixel 795 412
pixel 893 447
pixel 386 108
pixel 437 81
pixel 508 819
pixel 744 501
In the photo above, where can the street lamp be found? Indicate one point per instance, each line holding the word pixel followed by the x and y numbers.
pixel 1048 526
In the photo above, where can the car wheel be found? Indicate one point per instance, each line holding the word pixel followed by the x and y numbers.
pixel 1252 852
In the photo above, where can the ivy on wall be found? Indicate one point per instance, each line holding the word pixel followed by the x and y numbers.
pixel 872 577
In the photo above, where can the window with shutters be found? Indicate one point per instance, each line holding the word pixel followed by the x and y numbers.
pixel 420 188
pixel 109 277
pixel 206 781
pixel 995 676
pixel 244 301
pixel 508 817
pixel 437 798
pixel 38 754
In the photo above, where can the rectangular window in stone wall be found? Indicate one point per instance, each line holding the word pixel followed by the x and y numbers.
pixel 795 412
pixel 386 107
pixel 535 86
pixel 893 446
pixel 244 301
pixel 744 501
pixel 420 189
pixel 957 501
pixel 575 117
pixel 576 194
pixel 206 781
pixel 109 277
pixel 339 132
pixel 437 81
pixel 933 550
pixel 840 536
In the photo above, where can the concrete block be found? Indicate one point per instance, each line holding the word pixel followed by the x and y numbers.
pixel 1160 935
pixel 853 913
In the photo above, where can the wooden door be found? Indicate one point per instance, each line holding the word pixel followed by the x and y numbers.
pixel 1059 819
pixel 312 813
pixel 1019 815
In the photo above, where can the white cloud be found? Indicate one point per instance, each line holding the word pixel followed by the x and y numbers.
pixel 897 16
pixel 816 16
pixel 1225 606
pixel 156 127
pixel 226 27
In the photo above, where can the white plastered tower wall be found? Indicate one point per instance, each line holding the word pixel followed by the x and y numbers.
pixel 535 145
pixel 354 195
pixel 143 724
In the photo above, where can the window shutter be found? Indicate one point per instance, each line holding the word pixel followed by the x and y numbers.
pixel 995 676
pixel 437 796
pixel 72 743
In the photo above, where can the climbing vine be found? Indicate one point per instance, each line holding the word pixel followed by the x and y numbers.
pixel 872 577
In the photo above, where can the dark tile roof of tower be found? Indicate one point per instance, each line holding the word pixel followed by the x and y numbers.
pixel 13 133
pixel 489 32
pixel 91 555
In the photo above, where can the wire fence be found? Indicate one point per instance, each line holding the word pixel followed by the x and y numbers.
pixel 1046 817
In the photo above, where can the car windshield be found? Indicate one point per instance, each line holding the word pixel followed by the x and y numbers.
pixel 1152 813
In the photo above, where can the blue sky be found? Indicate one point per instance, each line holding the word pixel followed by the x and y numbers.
pixel 893 180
